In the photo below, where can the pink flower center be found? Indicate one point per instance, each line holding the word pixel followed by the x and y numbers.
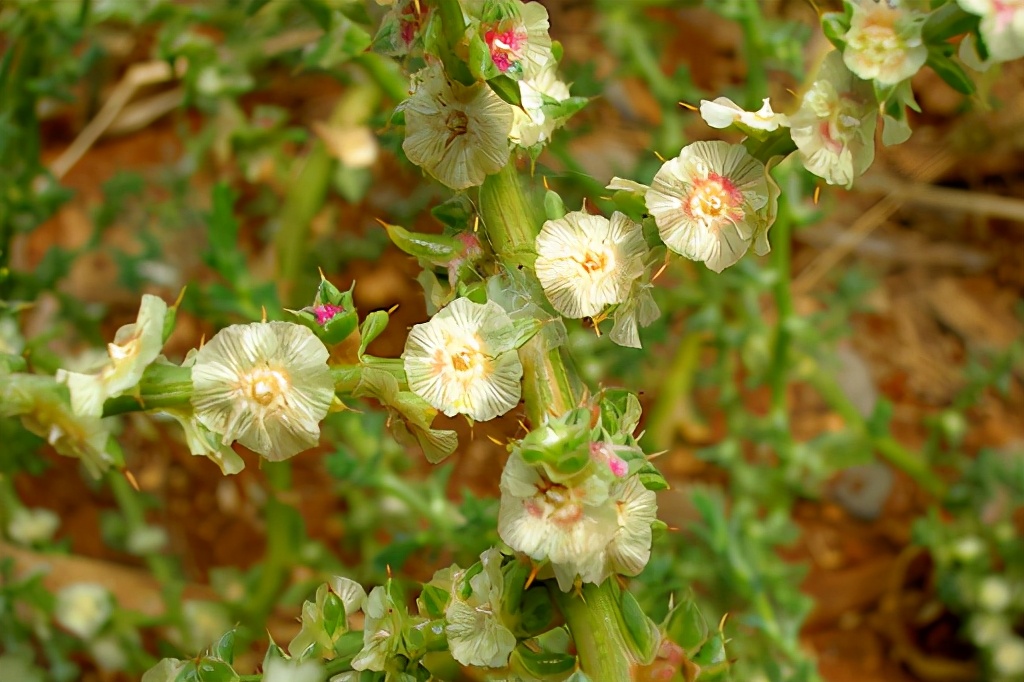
pixel 326 312
pixel 506 46
pixel 713 198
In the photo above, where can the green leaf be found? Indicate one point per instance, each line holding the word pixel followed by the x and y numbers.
pixel 641 629
pixel 224 648
pixel 436 249
pixel 835 26
pixel 375 323
pixel 455 213
pixel 507 89
pixel 223 254
pixel 432 601
pixel 333 612
pixel 950 71
pixel 320 12
pixel 213 670
pixel 686 626
pixel 948 21
pixel 541 664
pixel 481 65
pixel 554 208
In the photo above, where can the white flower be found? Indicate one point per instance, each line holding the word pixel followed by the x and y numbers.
pixel 884 43
pixel 1008 657
pixel 1002 26
pixel 638 310
pixel 723 112
pixel 83 608
pixel 452 363
pixel 456 133
pixel 834 129
pixel 476 634
pixel 266 385
pixel 281 670
pixel 109 653
pixel 711 202
pixel 32 526
pixel 994 593
pixel 534 126
pixel 382 630
pixel 146 539
pixel 519 45
pixel 636 508
pixel 587 262
pixel 135 346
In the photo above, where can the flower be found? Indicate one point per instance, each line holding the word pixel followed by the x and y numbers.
pixel 884 43
pixel 476 634
pixel 46 413
pixel 711 202
pixel 32 526
pixel 452 363
pixel 382 631
pixel 516 35
pixel 834 129
pixel 456 133
pixel 1002 26
pixel 723 112
pixel 587 262
pixel 325 620
pixel 531 124
pixel 638 310
pixel 636 509
pixel 135 346
pixel 266 385
pixel 83 608
pixel 282 670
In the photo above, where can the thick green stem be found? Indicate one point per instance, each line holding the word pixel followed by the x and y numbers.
pixel 782 240
pixel 277 556
pixel 595 619
pixel 753 48
pixel 673 400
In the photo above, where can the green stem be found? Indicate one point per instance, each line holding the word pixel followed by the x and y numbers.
pixel 301 204
pixel 277 556
pixel 673 394
pixel 386 73
pixel 888 447
pixel 160 565
pixel 782 240
pixel 753 48
pixel 595 620
pixel 161 386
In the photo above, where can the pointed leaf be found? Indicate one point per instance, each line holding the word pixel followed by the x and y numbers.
pixel 375 323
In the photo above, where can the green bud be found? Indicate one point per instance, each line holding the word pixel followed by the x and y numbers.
pixel 554 208
pixel 541 665
pixel 562 445
pixel 373 325
pixel 643 632
pixel 685 625
pixel 332 317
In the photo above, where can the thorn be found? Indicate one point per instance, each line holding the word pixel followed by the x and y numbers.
pixel 382 223
pixel 687 105
pixel 263 308
pixel 476 223
pixel 545 181
pixel 494 440
pixel 655 455
pixel 534 568
pixel 792 92
pixel 660 157
pixel 321 271
pixel 131 480
pixel 661 269
pixel 672 529
pixel 584 206
pixel 393 308
pixel 721 623
pixel 202 340
pixel 388 567
pixel 817 194
pixel 181 296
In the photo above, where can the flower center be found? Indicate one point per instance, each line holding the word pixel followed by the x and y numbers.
pixel 713 197
pixel 597 261
pixel 122 351
pixel 506 46
pixel 457 124
pixel 265 385
pixel 326 312
pixel 462 361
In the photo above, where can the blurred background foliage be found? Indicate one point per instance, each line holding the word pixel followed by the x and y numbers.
pixel 840 421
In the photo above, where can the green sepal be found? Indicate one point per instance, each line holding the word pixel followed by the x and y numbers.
pixel 949 70
pixel 333 611
pixel 685 625
pixel 948 21
pixel 514 576
pixel 224 647
pixel 171 317
pixel 651 478
pixel 507 89
pixel 214 670
pixel 557 50
pixel 541 665
pixel 641 630
pixel 435 249
pixel 835 26
pixel 562 445
pixel 554 208
pixel 536 611
pixel 433 601
pixel 455 213
pixel 374 324
pixel 481 64
pixel 712 658
pixel 563 109
pixel 514 336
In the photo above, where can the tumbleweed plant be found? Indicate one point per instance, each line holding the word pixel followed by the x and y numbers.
pixel 521 264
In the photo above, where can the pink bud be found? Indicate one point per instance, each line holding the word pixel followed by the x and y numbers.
pixel 326 312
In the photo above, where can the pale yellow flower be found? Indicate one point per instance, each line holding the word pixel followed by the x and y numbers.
pixel 531 124
pixel 452 363
pixel 710 203
pixel 266 385
pixel 457 133
pixel 587 262
pixel 723 112
pixel 134 348
pixel 1002 26
pixel 884 43
pixel 834 129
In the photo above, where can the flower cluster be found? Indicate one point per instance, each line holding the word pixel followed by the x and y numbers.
pixel 572 496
